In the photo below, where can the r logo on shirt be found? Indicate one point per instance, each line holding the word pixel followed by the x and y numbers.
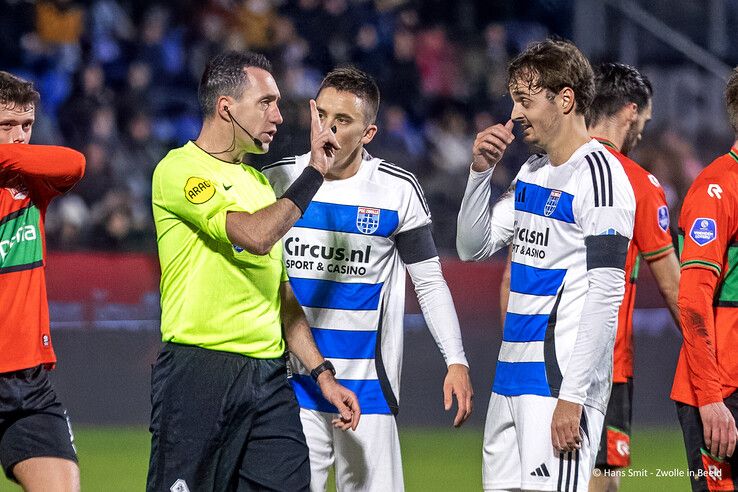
pixel 198 190
pixel 703 231
pixel 663 217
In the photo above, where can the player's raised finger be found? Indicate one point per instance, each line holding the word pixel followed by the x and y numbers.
pixel 315 125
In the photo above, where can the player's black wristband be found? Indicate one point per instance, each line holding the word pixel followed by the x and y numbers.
pixel 326 365
pixel 302 191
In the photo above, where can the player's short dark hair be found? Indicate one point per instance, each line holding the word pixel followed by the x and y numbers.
pixel 552 65
pixel 617 84
pixel 15 91
pixel 358 83
pixel 224 75
pixel 731 99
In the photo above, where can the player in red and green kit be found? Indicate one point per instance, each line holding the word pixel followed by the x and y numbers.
pixel 617 116
pixel 36 444
pixel 706 376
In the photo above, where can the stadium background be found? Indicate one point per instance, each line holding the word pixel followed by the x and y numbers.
pixel 118 81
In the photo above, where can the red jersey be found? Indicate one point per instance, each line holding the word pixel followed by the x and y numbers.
pixel 30 176
pixel 651 239
pixel 708 226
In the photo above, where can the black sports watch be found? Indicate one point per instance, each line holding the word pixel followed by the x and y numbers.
pixel 326 365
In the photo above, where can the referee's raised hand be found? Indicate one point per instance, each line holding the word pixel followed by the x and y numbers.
pixel 323 143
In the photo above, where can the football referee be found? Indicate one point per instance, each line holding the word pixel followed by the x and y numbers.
pixel 224 416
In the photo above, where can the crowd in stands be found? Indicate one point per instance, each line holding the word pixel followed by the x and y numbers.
pixel 118 81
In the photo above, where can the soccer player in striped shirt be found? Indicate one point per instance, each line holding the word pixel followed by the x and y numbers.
pixel 346 258
pixel 706 379
pixel 616 118
pixel 569 217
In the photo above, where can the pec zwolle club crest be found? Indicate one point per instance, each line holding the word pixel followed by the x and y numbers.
pixel 553 200
pixel 367 220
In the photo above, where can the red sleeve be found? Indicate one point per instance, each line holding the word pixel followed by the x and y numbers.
pixel 651 233
pixel 47 170
pixel 696 292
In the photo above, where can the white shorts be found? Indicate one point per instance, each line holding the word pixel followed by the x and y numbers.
pixel 367 459
pixel 517 450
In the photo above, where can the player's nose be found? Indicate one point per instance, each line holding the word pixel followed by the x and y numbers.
pixel 18 135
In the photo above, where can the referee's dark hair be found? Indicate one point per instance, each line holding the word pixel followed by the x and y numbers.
pixel 225 75
pixel 617 84
pixel 15 91
pixel 358 83
pixel 552 65
pixel 731 99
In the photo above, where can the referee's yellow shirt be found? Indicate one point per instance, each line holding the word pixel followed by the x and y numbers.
pixel 213 294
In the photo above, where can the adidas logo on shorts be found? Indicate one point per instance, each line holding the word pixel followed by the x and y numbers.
pixel 541 471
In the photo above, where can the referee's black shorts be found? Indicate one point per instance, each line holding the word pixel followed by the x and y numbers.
pixel 222 421
pixel 707 472
pixel 33 422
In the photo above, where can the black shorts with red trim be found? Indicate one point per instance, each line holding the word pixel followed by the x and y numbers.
pixel 707 472
pixel 614 449
pixel 33 422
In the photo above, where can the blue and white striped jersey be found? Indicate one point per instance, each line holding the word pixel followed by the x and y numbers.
pixel 345 268
pixel 555 218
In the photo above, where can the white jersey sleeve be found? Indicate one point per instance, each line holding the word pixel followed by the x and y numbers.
pixel 482 229
pixel 438 309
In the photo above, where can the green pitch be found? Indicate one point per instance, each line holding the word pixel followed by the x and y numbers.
pixel 116 459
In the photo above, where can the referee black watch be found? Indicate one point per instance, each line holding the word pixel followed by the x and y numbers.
pixel 326 365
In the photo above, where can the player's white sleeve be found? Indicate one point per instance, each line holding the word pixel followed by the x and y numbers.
pixel 596 331
pixel 605 209
pixel 438 309
pixel 482 229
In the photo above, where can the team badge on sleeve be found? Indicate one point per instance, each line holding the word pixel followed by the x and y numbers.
pixel 198 190
pixel 703 231
pixel 553 200
pixel 663 217
pixel 367 219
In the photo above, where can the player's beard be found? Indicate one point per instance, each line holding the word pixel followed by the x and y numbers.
pixel 631 140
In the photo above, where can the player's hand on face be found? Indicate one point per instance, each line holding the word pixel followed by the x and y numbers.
pixel 490 145
pixel 323 143
pixel 565 434
pixel 457 383
pixel 719 429
pixel 343 399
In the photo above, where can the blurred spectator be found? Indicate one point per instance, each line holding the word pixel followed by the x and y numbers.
pixel 438 62
pixel 111 31
pixel 114 226
pixel 59 26
pixel 66 223
pixel 255 20
pixel 134 160
pixel 89 93
pixel 401 82
pixel 98 178
pixel 398 142
pixel 138 92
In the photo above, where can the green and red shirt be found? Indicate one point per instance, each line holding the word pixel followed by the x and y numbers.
pixel 30 176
